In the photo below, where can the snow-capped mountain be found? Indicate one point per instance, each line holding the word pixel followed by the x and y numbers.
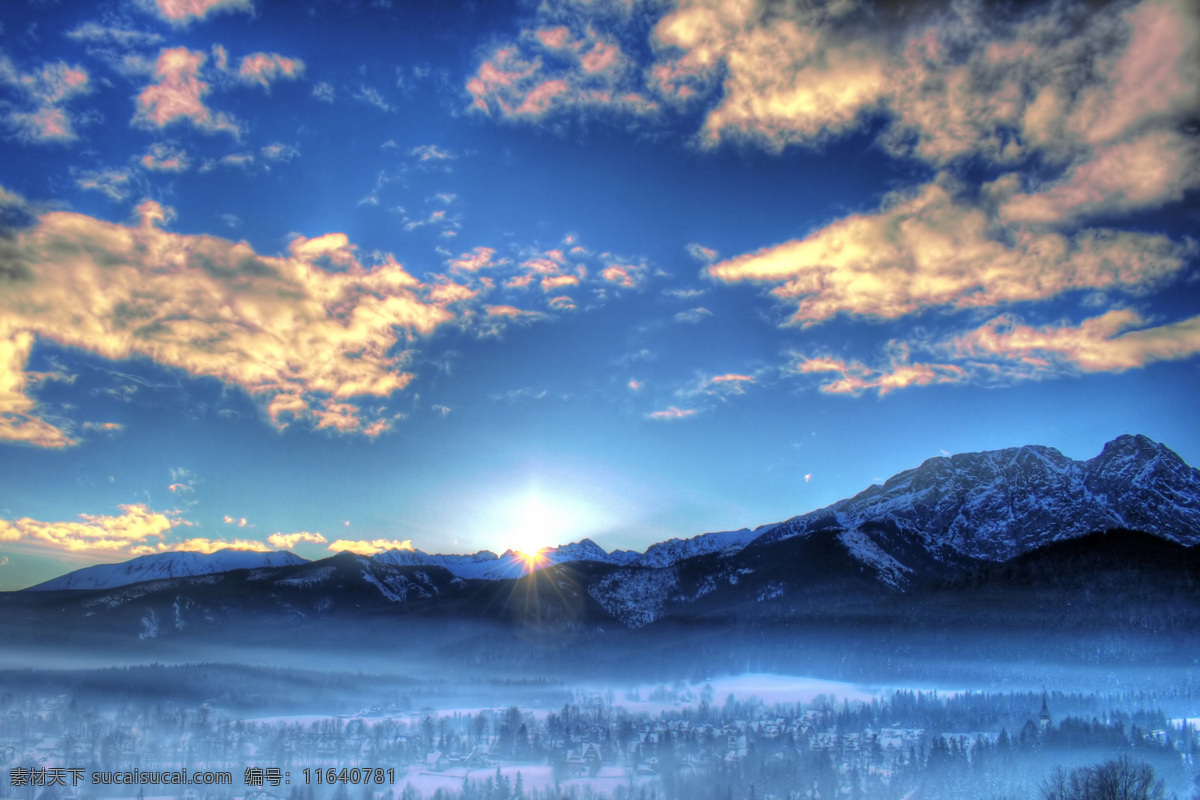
pixel 948 515
pixel 167 565
pixel 475 565
pixel 486 565
pixel 998 504
pixel 673 551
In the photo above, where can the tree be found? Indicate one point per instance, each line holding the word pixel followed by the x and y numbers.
pixel 1119 779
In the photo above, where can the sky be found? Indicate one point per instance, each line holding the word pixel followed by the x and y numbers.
pixel 337 275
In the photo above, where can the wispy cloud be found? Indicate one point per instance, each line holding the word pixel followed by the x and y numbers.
pixel 163 157
pixel 672 413
pixel 184 12
pixel 263 69
pixel 42 117
pixel 693 316
pixel 856 378
pixel 550 69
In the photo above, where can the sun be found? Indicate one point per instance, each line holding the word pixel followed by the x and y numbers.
pixel 538 524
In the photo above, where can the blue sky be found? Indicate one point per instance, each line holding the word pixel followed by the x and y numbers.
pixel 456 276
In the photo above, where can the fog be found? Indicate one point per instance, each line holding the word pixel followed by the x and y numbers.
pixel 623 718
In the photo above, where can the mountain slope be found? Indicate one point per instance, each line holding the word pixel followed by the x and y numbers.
pixel 998 504
pixel 167 565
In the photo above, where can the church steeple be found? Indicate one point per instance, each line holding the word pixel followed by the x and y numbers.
pixel 1044 714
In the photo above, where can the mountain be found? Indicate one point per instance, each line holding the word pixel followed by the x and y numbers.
pixel 167 565
pixel 949 515
pixel 959 541
pixel 998 504
pixel 486 565
pixel 483 565
pixel 673 551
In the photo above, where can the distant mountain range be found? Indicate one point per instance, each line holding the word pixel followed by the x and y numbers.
pixel 926 545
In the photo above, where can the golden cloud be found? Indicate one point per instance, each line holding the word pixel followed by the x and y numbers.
pixel 1115 341
pixel 286 541
pixel 365 548
pixel 130 532
pixel 857 378
pixel 305 339
pixel 933 249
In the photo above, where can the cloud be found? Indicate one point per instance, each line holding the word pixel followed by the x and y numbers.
pixel 286 541
pixel 554 282
pixel 103 427
pixel 705 255
pixel 307 333
pixel 788 77
pixel 627 276
pixel 203 545
pixel 95 33
pixel 115 183
pixel 264 69
pixel 731 382
pixel 857 378
pixel 41 118
pixel 933 248
pixel 693 316
pixel 323 91
pixel 165 158
pixel 184 12
pixel 279 152
pixel 477 259
pixel 20 421
pixel 685 294
pixel 238 521
pixel 178 94
pixel 365 548
pixel 372 97
pixel 431 152
pixel 672 413
pixel 556 69
pixel 130 532
pixel 1145 172
pixel 1116 341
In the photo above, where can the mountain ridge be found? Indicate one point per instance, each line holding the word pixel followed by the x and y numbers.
pixel 949 512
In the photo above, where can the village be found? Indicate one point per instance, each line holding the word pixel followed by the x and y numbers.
pixel 950 745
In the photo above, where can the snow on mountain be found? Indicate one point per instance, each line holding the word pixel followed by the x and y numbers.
pixel 167 565
pixel 486 565
pixel 583 550
pixel 948 512
pixel 998 504
pixel 475 565
pixel 673 551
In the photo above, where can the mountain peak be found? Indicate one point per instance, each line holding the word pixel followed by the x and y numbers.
pixel 997 504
